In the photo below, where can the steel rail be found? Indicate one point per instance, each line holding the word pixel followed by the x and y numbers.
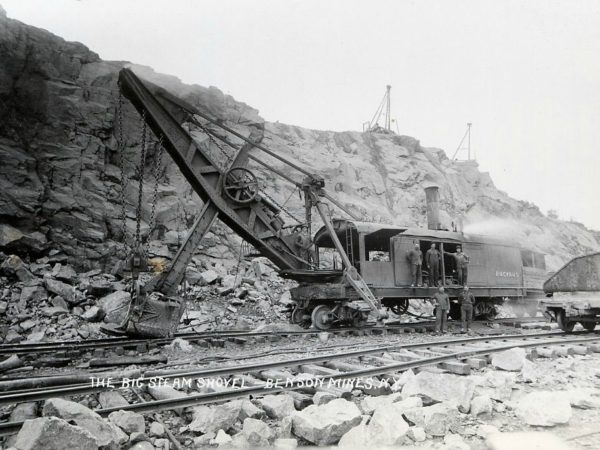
pixel 215 397
pixel 36 393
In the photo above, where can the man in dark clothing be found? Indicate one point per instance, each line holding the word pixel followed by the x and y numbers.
pixel 442 302
pixel 415 258
pixel 432 260
pixel 462 265
pixel 304 246
pixel 466 309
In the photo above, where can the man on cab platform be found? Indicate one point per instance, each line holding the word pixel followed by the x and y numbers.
pixel 442 303
pixel 415 258
pixel 432 260
pixel 462 266
pixel 466 309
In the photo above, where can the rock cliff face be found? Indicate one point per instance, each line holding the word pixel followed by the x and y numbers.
pixel 60 175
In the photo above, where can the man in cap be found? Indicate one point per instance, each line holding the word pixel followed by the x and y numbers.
pixel 462 265
pixel 432 260
pixel 442 302
pixel 415 258
pixel 466 309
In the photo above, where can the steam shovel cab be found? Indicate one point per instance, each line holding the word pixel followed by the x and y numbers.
pixel 497 270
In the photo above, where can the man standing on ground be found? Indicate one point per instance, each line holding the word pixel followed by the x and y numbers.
pixel 432 259
pixel 415 258
pixel 462 266
pixel 442 302
pixel 466 309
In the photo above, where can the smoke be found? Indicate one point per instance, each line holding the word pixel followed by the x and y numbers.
pixel 499 228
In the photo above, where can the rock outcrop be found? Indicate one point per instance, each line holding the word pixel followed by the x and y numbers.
pixel 60 188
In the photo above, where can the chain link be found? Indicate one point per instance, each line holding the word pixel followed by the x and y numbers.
pixel 157 168
pixel 123 181
pixel 228 158
pixel 140 173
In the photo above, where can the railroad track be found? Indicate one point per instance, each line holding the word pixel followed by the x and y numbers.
pixel 455 355
pixel 216 337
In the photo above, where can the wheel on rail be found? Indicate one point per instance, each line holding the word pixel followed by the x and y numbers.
pixel 322 317
pixel 400 307
pixel 589 326
pixel 240 185
pixel 484 311
pixel 564 323
pixel 301 316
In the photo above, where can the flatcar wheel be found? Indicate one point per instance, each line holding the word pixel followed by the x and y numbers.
pixel 300 316
pixel 322 317
pixel 400 308
pixel 565 324
pixel 589 326
pixel 484 311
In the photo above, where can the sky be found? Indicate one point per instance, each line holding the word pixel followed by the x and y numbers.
pixel 525 73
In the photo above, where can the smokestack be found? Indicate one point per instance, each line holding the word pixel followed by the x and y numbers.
pixel 432 196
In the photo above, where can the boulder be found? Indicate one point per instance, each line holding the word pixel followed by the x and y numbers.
pixel 544 409
pixel 128 421
pixel 66 291
pixel 32 294
pixel 157 429
pixel 208 277
pixel 248 409
pixel 417 434
pixel 322 397
pixel 23 412
pixel 59 302
pixel 111 399
pixel 15 267
pixel 356 438
pixel 51 433
pixel 143 445
pixel 93 314
pixel 115 306
pixel 387 426
pixel 510 360
pixel 441 387
pixel 106 434
pixel 370 404
pixel 326 424
pixel 257 433
pixel 64 272
pixel 277 406
pixel 221 438
pixel 481 405
pixel 206 419
pixel 436 420
pixel 582 398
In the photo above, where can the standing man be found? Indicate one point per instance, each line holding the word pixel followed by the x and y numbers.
pixel 304 245
pixel 442 302
pixel 432 260
pixel 415 258
pixel 466 309
pixel 462 265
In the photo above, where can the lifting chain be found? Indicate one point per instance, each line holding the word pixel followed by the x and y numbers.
pixel 123 181
pixel 228 158
pixel 157 169
pixel 140 174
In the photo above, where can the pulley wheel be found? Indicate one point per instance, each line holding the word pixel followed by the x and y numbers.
pixel 322 317
pixel 240 185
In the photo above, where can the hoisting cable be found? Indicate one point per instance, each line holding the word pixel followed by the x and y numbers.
pixel 123 180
